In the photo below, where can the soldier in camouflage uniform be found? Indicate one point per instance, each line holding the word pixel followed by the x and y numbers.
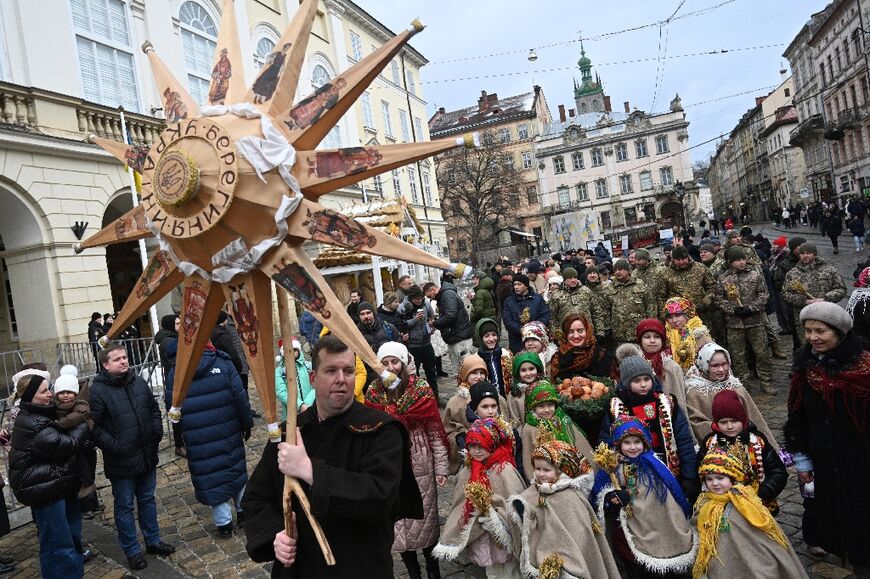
pixel 628 303
pixel 715 263
pixel 596 284
pixel 648 271
pixel 810 281
pixel 741 293
pixel 688 279
pixel 785 265
pixel 573 298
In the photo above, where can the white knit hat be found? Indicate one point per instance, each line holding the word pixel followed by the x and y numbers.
pixel 394 349
pixel 296 345
pixel 66 383
pixel 555 279
pixel 69 369
pixel 706 353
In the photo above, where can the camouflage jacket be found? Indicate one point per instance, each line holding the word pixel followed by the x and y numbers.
pixel 718 266
pixel 695 283
pixel 649 276
pixel 627 304
pixel 742 288
pixel 580 300
pixel 818 279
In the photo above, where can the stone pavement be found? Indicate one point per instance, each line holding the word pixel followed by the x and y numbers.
pixel 200 553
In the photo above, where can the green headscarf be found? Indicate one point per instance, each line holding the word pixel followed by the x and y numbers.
pixel 560 424
pixel 533 359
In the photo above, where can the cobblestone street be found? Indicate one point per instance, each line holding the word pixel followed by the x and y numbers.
pixel 200 553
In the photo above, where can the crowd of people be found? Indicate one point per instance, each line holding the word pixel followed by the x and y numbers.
pixel 603 424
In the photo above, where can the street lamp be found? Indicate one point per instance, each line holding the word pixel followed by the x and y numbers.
pixel 680 190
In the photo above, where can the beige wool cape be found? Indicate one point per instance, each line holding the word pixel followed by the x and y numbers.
pixel 456 536
pixel 746 551
pixel 700 392
pixel 456 423
pixel 659 535
pixel 564 525
pixel 529 436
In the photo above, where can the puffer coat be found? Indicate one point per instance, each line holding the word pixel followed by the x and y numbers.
pixel 43 463
pixel 214 415
pixel 127 424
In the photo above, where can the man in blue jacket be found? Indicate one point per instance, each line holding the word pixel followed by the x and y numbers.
pixel 522 307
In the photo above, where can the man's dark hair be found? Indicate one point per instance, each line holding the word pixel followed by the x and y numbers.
pixel 36 366
pixel 96 316
pixel 427 286
pixel 331 345
pixel 357 292
pixel 403 278
pixel 103 355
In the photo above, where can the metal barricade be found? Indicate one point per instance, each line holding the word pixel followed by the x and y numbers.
pixel 12 362
pixel 141 353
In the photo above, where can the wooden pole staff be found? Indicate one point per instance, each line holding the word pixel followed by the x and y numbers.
pixel 291 485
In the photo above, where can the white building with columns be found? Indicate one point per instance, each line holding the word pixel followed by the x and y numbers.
pixel 65 68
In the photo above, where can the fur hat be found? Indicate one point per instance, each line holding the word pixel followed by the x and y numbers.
pixel 468 365
pixel 394 349
pixel 828 313
pixel 632 364
pixel 481 390
pixel 795 242
pixel 569 272
pixel 808 248
pixel 727 404
pixel 522 278
pixel 734 253
pixel 650 325
pixel 66 383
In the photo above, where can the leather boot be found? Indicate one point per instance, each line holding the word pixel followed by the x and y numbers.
pixel 776 352
pixel 433 570
pixel 409 558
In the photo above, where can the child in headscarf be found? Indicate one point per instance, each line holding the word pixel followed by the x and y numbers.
pixel 765 473
pixel 527 372
pixel 738 535
pixel 653 342
pixel 554 528
pixel 535 339
pixel 478 525
pixel 644 505
pixel 546 420
pixel 685 330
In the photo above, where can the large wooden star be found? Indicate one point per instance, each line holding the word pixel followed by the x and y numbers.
pixel 230 191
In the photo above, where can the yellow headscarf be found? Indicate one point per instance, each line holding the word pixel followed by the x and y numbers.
pixel 711 507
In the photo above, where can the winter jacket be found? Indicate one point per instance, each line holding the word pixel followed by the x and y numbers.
pixel 237 344
pixel 127 424
pixel 95 331
pixel 223 341
pixel 379 333
pixel 167 362
pixel 391 317
pixel 305 393
pixel 503 290
pixel 520 310
pixel 834 226
pixel 419 333
pixel 782 268
pixel 856 227
pixel 483 303
pixel 310 327
pixel 214 415
pixel 43 463
pixel 453 320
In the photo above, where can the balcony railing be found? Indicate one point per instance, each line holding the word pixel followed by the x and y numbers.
pixel 70 117
pixel 805 128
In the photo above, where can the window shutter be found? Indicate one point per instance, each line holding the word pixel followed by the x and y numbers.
pixel 118 22
pixel 88 69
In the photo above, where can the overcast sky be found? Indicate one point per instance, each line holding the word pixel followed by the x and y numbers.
pixel 459 29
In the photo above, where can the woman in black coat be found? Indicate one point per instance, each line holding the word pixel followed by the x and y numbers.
pixel 44 474
pixel 828 430
pixel 834 228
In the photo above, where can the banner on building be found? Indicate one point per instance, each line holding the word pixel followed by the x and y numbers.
pixel 573 230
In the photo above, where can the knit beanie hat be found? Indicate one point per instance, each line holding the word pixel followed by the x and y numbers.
pixel 363 306
pixel 569 272
pixel 719 461
pixel 622 264
pixel 709 247
pixel 530 357
pixel 481 390
pixel 745 231
pixel 828 313
pixel 534 266
pixel 485 326
pixel 650 325
pixel 555 279
pixel 390 297
pixel 394 349
pixel 468 365
pixel 522 278
pixel 642 254
pixel 27 388
pixel 679 252
pixel 66 383
pixel 69 369
pixel 808 248
pixel 780 241
pixel 727 404
pixel 795 242
pixel 632 364
pixel 734 253
pixel 731 235
pixel 167 322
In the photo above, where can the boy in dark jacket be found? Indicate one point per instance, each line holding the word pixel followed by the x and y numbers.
pixel 766 473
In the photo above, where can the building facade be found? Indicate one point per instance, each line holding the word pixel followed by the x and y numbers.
pixel 628 169
pixel 516 122
pixel 64 71
pixel 787 170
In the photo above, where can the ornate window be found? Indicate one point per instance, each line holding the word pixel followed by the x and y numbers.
pixel 523 131
pixel 265 47
pixel 577 160
pixel 558 164
pixel 504 135
pixel 667 176
pixel 199 40
pixel 640 149
pixel 662 144
pixel 597 157
pixel 564 196
pixel 527 159
pixel 582 192
pixel 621 152
pixel 105 53
pixel 625 184
pixel 601 189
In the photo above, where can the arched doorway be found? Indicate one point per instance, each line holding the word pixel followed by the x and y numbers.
pixel 123 260
pixel 672 213
pixel 27 303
